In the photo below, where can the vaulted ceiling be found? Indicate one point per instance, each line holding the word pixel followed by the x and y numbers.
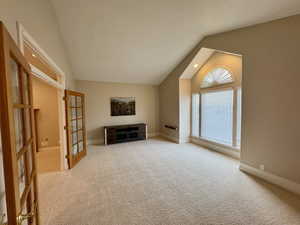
pixel 141 41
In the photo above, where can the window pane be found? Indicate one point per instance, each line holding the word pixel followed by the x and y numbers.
pixel 195 115
pixel 216 77
pixel 3 211
pixel 26 89
pixel 239 117
pixel 22 175
pixel 78 98
pixel 73 113
pixel 80 135
pixel 73 101
pixel 79 123
pixel 74 138
pixel 80 146
pixel 79 112
pixel 74 126
pixel 217 116
pixel 15 82
pixel 74 150
pixel 18 129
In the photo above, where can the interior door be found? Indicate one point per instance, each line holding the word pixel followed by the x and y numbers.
pixel 16 123
pixel 3 210
pixel 76 135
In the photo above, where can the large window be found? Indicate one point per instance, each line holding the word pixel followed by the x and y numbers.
pixel 195 115
pixel 239 117
pixel 217 116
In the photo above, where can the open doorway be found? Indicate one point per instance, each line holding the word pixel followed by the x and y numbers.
pixel 46 118
pixel 49 106
pixel 46 114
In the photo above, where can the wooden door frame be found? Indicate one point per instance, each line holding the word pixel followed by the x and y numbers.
pixel 25 37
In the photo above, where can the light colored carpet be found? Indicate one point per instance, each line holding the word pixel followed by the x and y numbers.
pixel 156 182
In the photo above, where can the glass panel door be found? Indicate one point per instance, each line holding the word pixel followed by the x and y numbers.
pixel 76 136
pixel 18 142
pixel 3 210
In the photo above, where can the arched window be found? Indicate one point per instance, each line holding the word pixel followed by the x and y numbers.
pixel 217 77
pixel 216 114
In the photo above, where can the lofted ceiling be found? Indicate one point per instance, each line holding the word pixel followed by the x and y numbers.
pixel 141 41
pixel 199 60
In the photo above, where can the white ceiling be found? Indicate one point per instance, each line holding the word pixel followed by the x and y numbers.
pixel 141 41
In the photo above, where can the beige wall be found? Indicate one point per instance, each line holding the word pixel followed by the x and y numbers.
pixel 169 106
pixel 98 96
pixel 38 18
pixel 270 126
pixel 232 63
pixel 49 160
pixel 185 109
pixel 45 98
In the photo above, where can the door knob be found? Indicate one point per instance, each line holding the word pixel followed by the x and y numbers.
pixel 22 217
pixel 2 219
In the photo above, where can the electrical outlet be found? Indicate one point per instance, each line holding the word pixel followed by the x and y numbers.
pixel 262 167
pixel 45 142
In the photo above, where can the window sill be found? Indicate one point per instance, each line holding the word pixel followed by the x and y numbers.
pixel 225 149
pixel 212 141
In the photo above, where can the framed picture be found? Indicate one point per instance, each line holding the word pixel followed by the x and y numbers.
pixel 122 106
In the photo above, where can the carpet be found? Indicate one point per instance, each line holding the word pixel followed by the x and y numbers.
pixel 155 182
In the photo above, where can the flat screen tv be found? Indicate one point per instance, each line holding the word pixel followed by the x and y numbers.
pixel 122 106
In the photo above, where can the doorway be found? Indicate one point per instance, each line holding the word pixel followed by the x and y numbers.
pixel 20 73
pixel 48 88
pixel 46 124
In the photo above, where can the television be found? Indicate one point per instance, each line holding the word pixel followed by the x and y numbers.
pixel 122 106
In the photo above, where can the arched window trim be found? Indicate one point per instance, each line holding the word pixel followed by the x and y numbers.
pixel 214 79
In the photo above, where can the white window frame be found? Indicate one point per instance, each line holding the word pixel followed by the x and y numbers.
pixel 234 119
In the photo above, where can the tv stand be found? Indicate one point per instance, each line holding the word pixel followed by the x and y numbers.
pixel 125 133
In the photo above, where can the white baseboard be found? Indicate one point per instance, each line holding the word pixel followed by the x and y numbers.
pixel 215 147
pixel 274 179
pixel 95 142
pixel 154 134
pixel 171 138
pixel 184 140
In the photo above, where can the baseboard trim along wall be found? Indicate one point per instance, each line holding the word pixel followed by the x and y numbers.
pixel 171 138
pixel 95 142
pixel 274 179
pixel 151 135
pixel 184 140
pixel 218 148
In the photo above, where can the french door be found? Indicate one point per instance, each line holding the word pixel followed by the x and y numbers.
pixel 17 134
pixel 76 135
